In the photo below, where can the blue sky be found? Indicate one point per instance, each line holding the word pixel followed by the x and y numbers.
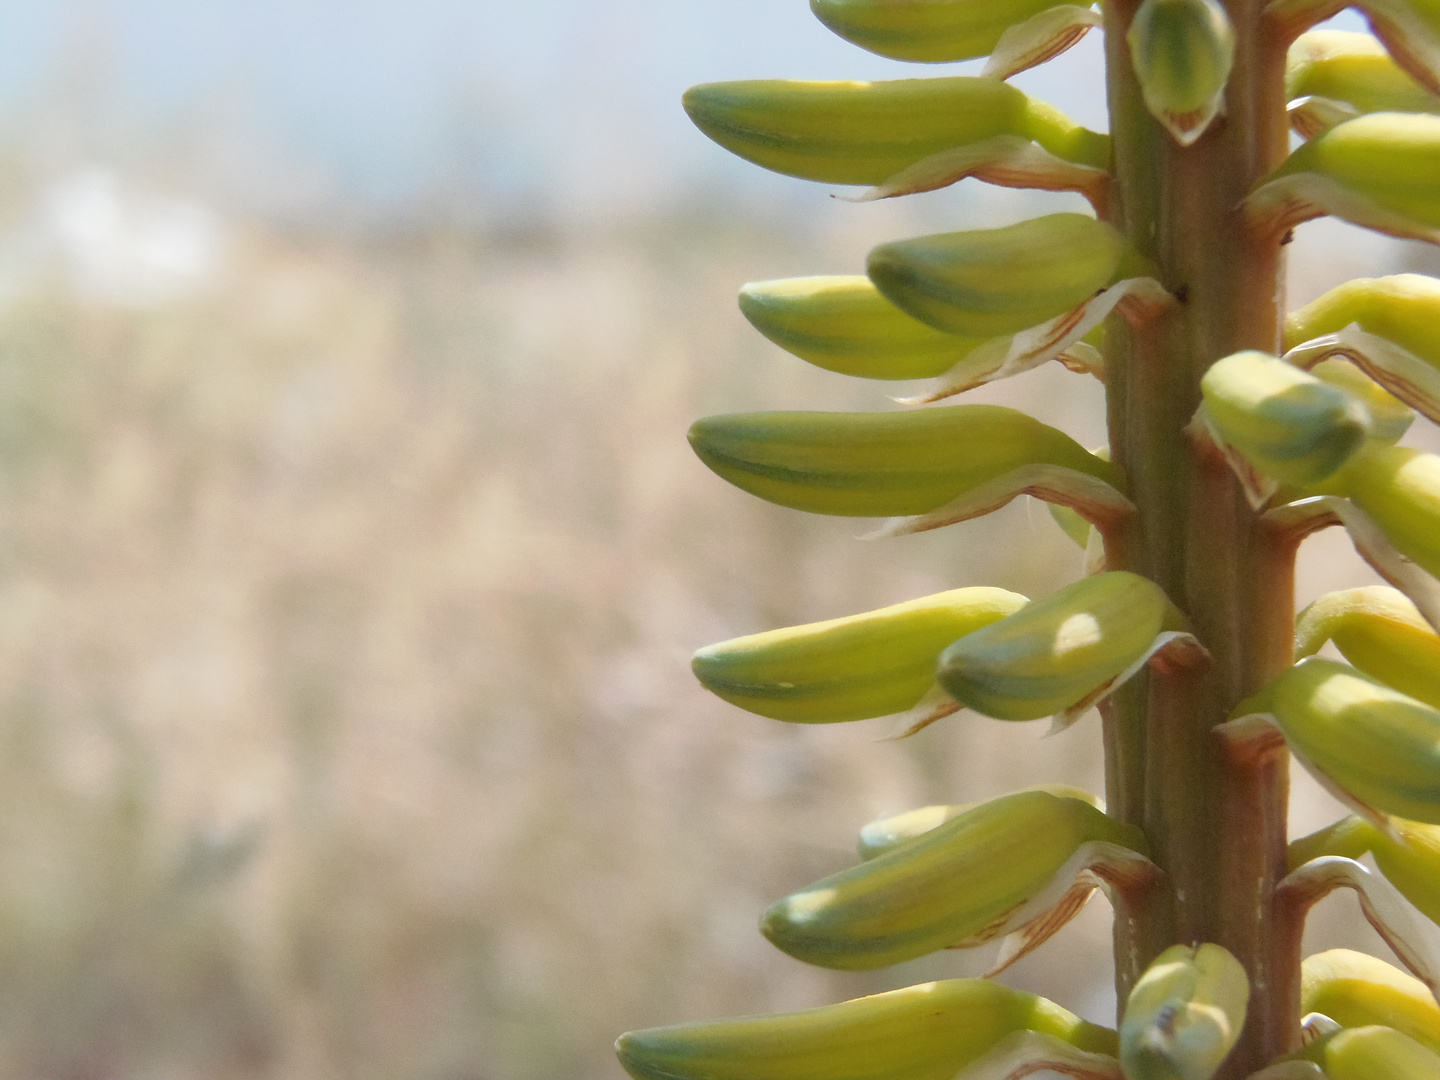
pixel 388 99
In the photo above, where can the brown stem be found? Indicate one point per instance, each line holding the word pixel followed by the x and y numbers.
pixel 1215 825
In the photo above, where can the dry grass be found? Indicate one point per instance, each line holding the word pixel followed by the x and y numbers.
pixel 346 729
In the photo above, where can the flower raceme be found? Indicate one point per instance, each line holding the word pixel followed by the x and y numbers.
pixel 1311 435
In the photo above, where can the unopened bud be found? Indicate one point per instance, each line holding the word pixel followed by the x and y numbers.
pixel 989 282
pixel 866 132
pixel 1377 171
pixel 1372 1053
pixel 882 464
pixel 1399 487
pixel 932 1030
pixel 953 885
pixel 1057 652
pixel 1374 746
pixel 1337 65
pixel 1184 1015
pixel 929 31
pixel 1182 52
pixel 1356 989
pixel 853 668
pixel 843 324
pixel 1380 631
pixel 1289 424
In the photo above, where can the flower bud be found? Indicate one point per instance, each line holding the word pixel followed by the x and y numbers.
pixel 1371 1053
pixel 1377 171
pixel 843 324
pixel 1355 990
pixel 885 833
pixel 1373 745
pixel 1184 1015
pixel 989 282
pixel 1182 51
pixel 853 668
pixel 1385 325
pixel 882 464
pixel 953 885
pixel 866 132
pixel 1355 69
pixel 1408 854
pixel 1055 653
pixel 1399 487
pixel 1290 425
pixel 925 1032
pixel 929 31
pixel 1380 631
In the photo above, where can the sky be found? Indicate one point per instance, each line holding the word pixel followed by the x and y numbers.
pixel 391 101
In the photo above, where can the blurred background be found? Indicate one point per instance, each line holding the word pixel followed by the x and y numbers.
pixel 351 555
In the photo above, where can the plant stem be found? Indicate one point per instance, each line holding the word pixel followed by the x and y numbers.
pixel 1216 825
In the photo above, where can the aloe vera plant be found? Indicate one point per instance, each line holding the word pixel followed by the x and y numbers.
pixel 1236 429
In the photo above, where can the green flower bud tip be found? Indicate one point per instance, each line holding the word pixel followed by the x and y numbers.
pixel 1353 68
pixel 1373 1052
pixel 929 31
pixel 1057 652
pixel 1182 52
pixel 866 132
pixel 843 324
pixel 925 1032
pixel 1356 990
pixel 1184 1015
pixel 1372 745
pixel 882 464
pixel 1380 631
pixel 1290 425
pixel 953 885
pixel 851 668
pixel 990 282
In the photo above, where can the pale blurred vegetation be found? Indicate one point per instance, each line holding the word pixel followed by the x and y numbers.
pixel 348 581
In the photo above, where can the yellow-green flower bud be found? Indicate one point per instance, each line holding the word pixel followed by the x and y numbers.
pixel 926 1032
pixel 1363 739
pixel 1409 857
pixel 1380 631
pixel 1289 424
pixel 882 464
pixel 1377 171
pixel 1373 1053
pixel 853 668
pixel 1356 990
pixel 866 132
pixel 1055 653
pixel 952 885
pixel 930 31
pixel 885 833
pixel 1184 1015
pixel 843 324
pixel 1386 325
pixel 989 282
pixel 1399 487
pixel 1353 68
pixel 1182 52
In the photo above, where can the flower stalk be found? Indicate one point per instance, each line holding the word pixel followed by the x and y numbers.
pixel 1235 430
